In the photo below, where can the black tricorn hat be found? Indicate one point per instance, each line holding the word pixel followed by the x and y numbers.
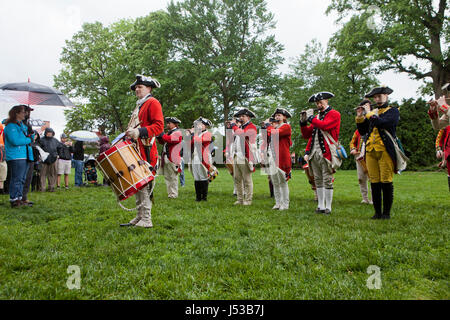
pixel 245 111
pixel 173 120
pixel 363 103
pixel 320 96
pixel 282 111
pixel 205 121
pixel 379 90
pixel 146 81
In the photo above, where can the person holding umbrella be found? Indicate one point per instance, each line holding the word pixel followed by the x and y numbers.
pixel 18 152
pixel 30 170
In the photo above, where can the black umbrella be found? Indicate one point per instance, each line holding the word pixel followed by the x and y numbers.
pixel 33 94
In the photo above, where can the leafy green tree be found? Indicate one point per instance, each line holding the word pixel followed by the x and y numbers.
pixel 418 29
pixel 226 43
pixel 416 134
pixel 96 70
pixel 80 117
pixel 149 49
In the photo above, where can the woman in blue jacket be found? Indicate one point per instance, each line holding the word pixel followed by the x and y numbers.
pixel 18 152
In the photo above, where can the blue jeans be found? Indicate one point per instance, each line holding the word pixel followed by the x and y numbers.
pixel 182 173
pixel 19 170
pixel 78 172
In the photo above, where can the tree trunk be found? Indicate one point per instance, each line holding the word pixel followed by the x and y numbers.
pixel 117 118
pixel 438 69
pixel 226 109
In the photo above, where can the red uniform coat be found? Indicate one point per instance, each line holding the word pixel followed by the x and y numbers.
pixel 248 132
pixel 356 141
pixel 205 141
pixel 173 141
pixel 283 159
pixel 330 123
pixel 444 142
pixel 152 124
pixel 444 145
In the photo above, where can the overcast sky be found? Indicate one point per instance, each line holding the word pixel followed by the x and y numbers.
pixel 33 33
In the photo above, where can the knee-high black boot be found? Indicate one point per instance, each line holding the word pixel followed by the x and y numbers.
pixel 198 189
pixel 376 199
pixel 205 189
pixel 388 199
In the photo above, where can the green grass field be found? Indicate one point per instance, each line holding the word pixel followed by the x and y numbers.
pixel 214 250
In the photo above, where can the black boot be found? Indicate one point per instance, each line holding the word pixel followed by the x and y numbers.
pixel 388 199
pixel 198 189
pixel 205 190
pixel 376 199
pixel 271 188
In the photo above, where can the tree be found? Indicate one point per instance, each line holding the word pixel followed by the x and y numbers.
pixel 417 29
pixel 226 42
pixel 95 69
pixel 183 93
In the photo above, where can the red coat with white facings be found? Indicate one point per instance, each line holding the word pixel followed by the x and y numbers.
pixel 173 141
pixel 331 123
pixel 205 141
pixel 249 133
pixel 152 124
pixel 283 133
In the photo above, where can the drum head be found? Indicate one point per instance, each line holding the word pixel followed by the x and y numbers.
pixel 119 137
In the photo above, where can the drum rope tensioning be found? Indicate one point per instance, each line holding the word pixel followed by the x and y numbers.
pixel 126 171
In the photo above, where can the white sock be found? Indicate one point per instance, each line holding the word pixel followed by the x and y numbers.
pixel 320 198
pixel 328 198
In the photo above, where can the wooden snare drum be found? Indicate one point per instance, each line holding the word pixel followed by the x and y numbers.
pixel 125 170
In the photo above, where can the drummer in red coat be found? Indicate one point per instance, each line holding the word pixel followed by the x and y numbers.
pixel 318 154
pixel 279 162
pixel 147 122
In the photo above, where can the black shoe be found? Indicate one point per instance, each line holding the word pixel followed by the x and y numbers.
pixel 126 225
pixel 376 217
pixel 385 217
pixel 319 211
pixel 327 211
